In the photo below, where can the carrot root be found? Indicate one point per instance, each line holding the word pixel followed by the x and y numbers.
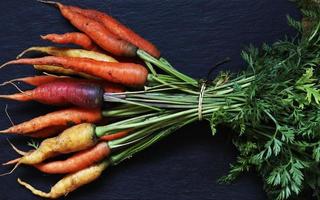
pixel 23 153
pixel 33 190
pixel 11 171
pixel 11 162
pixel 70 182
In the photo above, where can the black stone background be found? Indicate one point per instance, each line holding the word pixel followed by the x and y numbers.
pixel 193 35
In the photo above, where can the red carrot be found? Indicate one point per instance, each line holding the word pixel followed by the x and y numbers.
pixel 78 161
pixel 57 119
pixel 43 79
pixel 128 74
pixel 118 29
pixel 98 33
pixel 76 38
pixel 62 92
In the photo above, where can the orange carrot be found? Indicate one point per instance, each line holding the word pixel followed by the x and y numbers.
pixel 128 74
pixel 114 136
pixel 61 92
pixel 98 33
pixel 65 118
pixel 77 38
pixel 119 29
pixel 78 161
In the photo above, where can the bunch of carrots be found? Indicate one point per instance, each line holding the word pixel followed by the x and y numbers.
pixel 77 80
pixel 114 109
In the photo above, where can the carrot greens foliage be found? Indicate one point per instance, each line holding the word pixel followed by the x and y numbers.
pixel 274 106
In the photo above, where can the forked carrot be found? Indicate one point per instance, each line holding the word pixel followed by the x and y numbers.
pixel 98 33
pixel 119 29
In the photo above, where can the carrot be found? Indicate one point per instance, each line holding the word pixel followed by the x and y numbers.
pixel 82 159
pixel 43 79
pixel 78 161
pixel 77 38
pixel 117 28
pixel 76 138
pixel 55 51
pixel 34 80
pixel 65 118
pixel 61 70
pixel 128 74
pixel 70 182
pixel 114 136
pixel 62 92
pixel 98 33
pixel 48 132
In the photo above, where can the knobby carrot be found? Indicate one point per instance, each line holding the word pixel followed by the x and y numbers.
pixel 61 92
pixel 78 161
pixel 119 29
pixel 128 74
pixel 73 139
pixel 65 118
pixel 70 182
pixel 98 33
pixel 76 38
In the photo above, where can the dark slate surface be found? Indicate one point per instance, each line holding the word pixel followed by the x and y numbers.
pixel 193 35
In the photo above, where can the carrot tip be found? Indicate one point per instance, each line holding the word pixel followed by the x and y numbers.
pixel 5 64
pixel 16 149
pixel 14 161
pixel 48 2
pixel 24 52
pixel 8 173
pixel 6 83
pixel 33 190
